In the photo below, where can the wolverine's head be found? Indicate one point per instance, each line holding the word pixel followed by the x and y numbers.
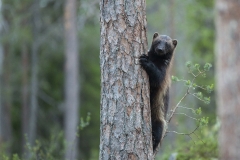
pixel 163 44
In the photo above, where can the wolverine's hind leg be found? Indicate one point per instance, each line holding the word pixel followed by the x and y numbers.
pixel 158 128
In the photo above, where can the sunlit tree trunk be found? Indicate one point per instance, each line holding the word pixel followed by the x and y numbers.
pixel 125 111
pixel 228 77
pixel 71 79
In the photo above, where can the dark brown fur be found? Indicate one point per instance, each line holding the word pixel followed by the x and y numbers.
pixel 157 64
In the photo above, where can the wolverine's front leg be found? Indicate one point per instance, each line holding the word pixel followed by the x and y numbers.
pixel 155 75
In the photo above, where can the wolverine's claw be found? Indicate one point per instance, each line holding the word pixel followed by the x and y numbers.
pixel 143 60
pixel 144 56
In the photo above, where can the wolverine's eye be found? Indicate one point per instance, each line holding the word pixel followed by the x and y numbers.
pixel 159 42
pixel 167 45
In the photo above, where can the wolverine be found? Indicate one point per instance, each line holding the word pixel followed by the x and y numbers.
pixel 157 64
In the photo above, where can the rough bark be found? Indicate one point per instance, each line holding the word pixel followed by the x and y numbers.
pixel 71 79
pixel 228 77
pixel 125 110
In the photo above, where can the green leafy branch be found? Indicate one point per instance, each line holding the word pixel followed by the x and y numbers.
pixel 196 71
pixel 84 123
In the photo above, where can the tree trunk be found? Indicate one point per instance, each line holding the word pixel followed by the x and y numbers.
pixel 125 109
pixel 71 79
pixel 6 127
pixel 228 77
pixel 1 95
pixel 173 89
pixel 25 96
pixel 34 75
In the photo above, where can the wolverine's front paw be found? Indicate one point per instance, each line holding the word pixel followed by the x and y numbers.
pixel 144 61
pixel 144 56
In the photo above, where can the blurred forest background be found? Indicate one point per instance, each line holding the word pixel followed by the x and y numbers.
pixel 28 50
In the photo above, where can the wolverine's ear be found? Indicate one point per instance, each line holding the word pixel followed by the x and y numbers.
pixel 155 35
pixel 174 41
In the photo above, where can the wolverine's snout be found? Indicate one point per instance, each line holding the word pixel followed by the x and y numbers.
pixel 160 50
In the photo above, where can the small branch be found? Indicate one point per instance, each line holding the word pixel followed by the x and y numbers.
pixel 200 72
pixel 187 116
pixel 193 74
pixel 191 139
pixel 184 133
pixel 200 87
pixel 186 108
pixel 177 132
pixel 194 94
pixel 198 137
pixel 188 134
pixel 174 109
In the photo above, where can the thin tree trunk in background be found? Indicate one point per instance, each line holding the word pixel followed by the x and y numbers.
pixel 1 94
pixel 25 96
pixel 228 77
pixel 71 79
pixel 5 92
pixel 34 74
pixel 173 88
pixel 6 98
pixel 125 110
pixel 172 18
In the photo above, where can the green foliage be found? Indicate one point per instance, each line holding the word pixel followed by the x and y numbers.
pixel 199 151
pixel 52 149
pixel 203 121
pixel 85 123
pixel 17 34
pixel 192 23
pixel 196 70
pixel 201 33
pixel 17 37
pixel 205 148
pixel 16 157
pixel 198 111
pixel 207 67
pixel 90 88
pixel 42 150
pixel 200 18
pixel 202 147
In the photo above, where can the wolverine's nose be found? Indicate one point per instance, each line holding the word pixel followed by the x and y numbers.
pixel 159 50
